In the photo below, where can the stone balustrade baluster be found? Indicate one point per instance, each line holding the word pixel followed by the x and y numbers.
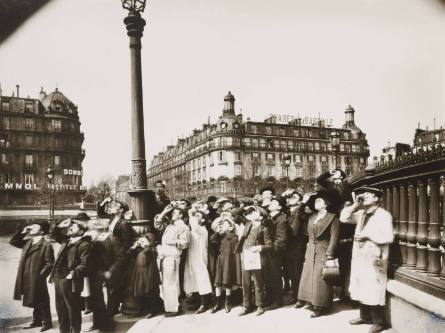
pixel 403 223
pixel 434 239
pixel 422 230
pixel 412 226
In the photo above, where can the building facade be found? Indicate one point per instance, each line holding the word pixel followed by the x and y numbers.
pixel 426 139
pixel 36 134
pixel 236 156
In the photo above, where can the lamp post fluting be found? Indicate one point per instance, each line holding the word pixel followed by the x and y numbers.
pixel 50 175
pixel 138 185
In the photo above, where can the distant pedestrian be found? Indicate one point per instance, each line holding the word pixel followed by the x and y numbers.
pixel 35 265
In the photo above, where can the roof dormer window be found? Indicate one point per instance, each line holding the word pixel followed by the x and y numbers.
pixel 223 125
pixel 57 108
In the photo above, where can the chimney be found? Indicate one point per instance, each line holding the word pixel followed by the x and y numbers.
pixel 229 104
pixel 349 115
pixel 18 90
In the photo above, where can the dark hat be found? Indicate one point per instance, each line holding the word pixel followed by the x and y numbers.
pixel 331 198
pixel 267 188
pixel 124 206
pixel 281 200
pixel 378 192
pixel 44 225
pixel 343 174
pixel 186 201
pixel 82 216
pixel 237 212
pixel 211 198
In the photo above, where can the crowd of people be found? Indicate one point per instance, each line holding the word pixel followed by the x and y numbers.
pixel 211 255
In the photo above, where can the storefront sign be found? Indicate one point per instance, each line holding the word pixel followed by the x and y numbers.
pixel 35 187
pixel 303 121
pixel 72 172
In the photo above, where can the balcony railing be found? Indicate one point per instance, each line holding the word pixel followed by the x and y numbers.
pixel 413 188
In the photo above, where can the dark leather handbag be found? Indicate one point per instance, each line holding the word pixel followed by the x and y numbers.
pixel 331 271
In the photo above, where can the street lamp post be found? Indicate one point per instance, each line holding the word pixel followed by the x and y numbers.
pixel 334 137
pixel 287 160
pixel 50 175
pixel 138 189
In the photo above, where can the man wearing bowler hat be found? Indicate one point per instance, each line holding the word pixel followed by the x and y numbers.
pixel 369 266
pixel 35 265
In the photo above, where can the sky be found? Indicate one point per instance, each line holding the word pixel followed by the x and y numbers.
pixel 384 57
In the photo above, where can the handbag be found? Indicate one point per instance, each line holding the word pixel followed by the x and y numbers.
pixel 331 271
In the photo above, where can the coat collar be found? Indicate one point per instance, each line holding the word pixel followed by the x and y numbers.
pixel 324 223
pixel 34 247
pixel 230 235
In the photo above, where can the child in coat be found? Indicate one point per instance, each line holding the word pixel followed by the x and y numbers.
pixel 228 263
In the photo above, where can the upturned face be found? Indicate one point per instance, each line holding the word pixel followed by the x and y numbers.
pixel 199 218
pixel 227 206
pixel 274 206
pixel 116 209
pixel 74 230
pixel 369 199
pixel 176 215
pixel 293 200
pixel 182 204
pixel 35 229
pixel 254 216
pixel 320 204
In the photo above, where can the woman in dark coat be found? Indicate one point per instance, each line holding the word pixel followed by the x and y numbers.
pixel 35 265
pixel 323 232
pixel 228 272
pixel 143 285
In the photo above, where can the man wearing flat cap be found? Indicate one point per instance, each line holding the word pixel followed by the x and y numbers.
pixel 373 235
pixel 68 275
pixel 35 265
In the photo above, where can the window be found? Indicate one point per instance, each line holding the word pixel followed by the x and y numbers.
pixel 324 159
pixel 28 159
pixel 290 145
pixel 310 159
pixel 262 143
pixel 255 143
pixel 317 146
pixel 297 159
pixel 29 123
pixel 56 125
pixel 296 132
pixel 221 156
pixel 29 178
pixel 57 142
pixel 342 147
pixel 284 172
pixel 237 156
pixel 5 106
pixel 58 108
pixel 4 158
pixel 299 171
pixel 269 170
pixel 256 156
pixel 310 146
pixel 29 108
pixel 246 142
pixel 6 123
pixel 276 144
pixel 253 129
pixel 283 144
pixel 282 132
pixel 323 146
pixel 270 157
pixel 362 160
pixel 29 140
pixel 56 160
pixel 237 170
pixel 236 142
pixel 268 130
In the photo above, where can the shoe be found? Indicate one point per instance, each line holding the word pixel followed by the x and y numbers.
pixel 32 325
pixel 359 321
pixel 90 329
pixel 46 328
pixel 244 311
pixel 317 313
pixel 376 328
pixel 201 309
pixel 217 306
pixel 172 314
pixel 274 306
pixel 227 305
pixel 299 304
pixel 260 310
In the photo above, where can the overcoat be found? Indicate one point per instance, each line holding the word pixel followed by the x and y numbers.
pixel 35 264
pixel 369 265
pixel 196 275
pixel 228 263
pixel 323 239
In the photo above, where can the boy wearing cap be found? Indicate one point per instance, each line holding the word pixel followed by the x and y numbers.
pixel 68 273
pixel 369 266
pixel 35 265
pixel 277 225
pixel 256 238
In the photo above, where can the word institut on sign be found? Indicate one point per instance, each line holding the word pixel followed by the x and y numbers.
pixel 301 121
pixel 34 187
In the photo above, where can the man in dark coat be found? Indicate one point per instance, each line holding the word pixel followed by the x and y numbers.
pixel 296 245
pixel 68 274
pixel 122 236
pixel 277 225
pixel 162 199
pixel 35 265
